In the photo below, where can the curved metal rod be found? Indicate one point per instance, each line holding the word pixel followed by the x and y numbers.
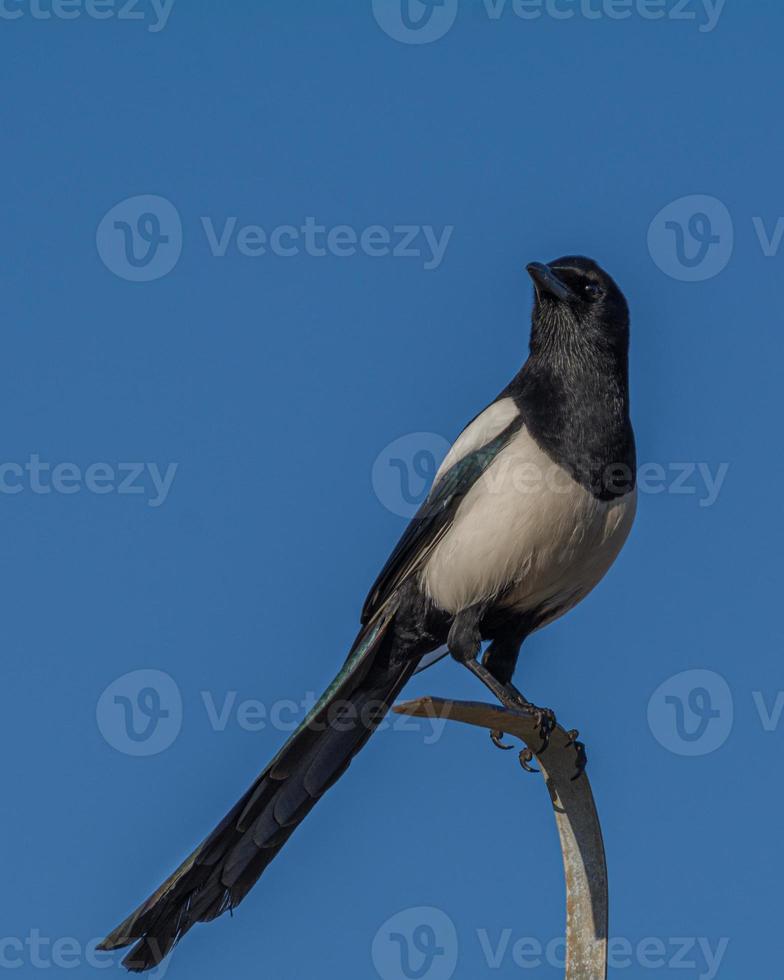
pixel 582 847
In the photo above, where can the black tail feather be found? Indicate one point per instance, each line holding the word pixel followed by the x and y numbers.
pixel 220 873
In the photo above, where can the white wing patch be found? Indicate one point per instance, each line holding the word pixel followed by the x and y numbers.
pixel 483 429
pixel 526 527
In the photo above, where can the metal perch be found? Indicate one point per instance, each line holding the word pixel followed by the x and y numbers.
pixel 582 848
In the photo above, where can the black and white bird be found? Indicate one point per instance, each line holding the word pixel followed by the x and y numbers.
pixel 527 513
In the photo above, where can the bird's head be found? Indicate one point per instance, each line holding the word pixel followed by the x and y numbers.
pixel 577 308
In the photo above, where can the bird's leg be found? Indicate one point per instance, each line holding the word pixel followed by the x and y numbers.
pixel 465 642
pixel 500 660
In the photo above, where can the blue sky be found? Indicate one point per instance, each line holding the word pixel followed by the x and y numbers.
pixel 259 265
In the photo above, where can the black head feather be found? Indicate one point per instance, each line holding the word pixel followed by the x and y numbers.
pixel 578 310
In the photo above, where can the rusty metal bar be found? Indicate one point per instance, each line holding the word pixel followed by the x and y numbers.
pixel 582 847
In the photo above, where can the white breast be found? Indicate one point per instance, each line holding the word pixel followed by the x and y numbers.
pixel 527 530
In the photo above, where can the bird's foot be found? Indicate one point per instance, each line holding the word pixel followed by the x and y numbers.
pixel 526 757
pixel 497 740
pixel 544 717
pixel 579 748
pixel 545 722
pixel 463 648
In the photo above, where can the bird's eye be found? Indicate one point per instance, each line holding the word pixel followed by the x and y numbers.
pixel 592 290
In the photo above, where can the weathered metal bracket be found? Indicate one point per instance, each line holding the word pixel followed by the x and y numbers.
pixel 582 847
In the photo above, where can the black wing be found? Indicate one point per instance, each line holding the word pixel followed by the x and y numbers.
pixel 434 518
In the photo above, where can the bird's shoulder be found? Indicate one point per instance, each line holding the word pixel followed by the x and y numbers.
pixel 480 432
pixel 472 452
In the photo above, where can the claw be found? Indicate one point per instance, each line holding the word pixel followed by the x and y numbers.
pixel 525 760
pixel 582 758
pixel 497 737
pixel 545 722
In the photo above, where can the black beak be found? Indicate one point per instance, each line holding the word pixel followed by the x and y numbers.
pixel 547 282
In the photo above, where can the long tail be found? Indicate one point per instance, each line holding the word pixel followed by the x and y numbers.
pixel 223 869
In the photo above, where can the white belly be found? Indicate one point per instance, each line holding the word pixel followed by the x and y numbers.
pixel 527 530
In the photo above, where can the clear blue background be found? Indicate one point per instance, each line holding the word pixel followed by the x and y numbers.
pixel 274 383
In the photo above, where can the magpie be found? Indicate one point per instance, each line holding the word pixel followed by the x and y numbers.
pixel 526 514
